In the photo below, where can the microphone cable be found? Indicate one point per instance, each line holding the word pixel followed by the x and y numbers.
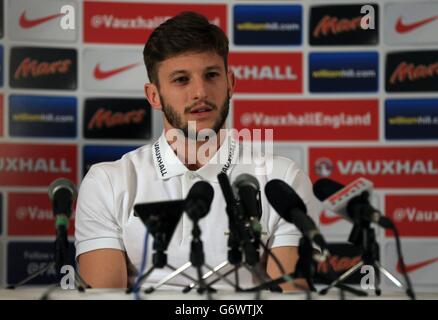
pixel 409 290
pixel 135 287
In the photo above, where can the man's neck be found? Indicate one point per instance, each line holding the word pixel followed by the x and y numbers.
pixel 195 154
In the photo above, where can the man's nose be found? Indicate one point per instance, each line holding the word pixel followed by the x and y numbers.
pixel 199 90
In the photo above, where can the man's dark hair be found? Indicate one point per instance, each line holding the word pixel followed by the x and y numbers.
pixel 186 32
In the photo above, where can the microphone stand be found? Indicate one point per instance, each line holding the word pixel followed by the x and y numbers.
pixel 159 261
pixel 242 238
pixel 306 268
pixel 234 258
pixel 196 260
pixel 61 258
pixel 363 236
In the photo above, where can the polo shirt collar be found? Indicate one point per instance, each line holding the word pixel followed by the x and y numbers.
pixel 168 165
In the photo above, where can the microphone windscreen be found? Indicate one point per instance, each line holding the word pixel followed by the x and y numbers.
pixel 227 191
pixel 324 188
pixel 245 179
pixel 284 199
pixel 61 183
pixel 201 190
pixel 202 194
pixel 247 189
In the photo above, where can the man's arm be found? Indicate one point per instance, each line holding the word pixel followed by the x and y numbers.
pixel 104 268
pixel 288 257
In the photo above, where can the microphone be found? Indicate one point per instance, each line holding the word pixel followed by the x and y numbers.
pixel 241 232
pixel 247 189
pixel 351 201
pixel 198 200
pixel 291 208
pixel 197 205
pixel 232 210
pixel 62 193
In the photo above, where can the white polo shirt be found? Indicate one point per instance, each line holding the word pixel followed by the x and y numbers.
pixel 108 193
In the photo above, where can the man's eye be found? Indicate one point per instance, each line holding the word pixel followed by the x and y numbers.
pixel 181 79
pixel 212 74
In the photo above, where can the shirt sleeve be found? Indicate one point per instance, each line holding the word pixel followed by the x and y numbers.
pixel 95 224
pixel 283 232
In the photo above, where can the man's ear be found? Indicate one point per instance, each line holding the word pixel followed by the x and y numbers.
pixel 151 93
pixel 231 82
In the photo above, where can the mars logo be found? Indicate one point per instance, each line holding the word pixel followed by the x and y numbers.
pixel 343 257
pixel 108 119
pixel 43 68
pixel 343 25
pixel 117 118
pixel 34 68
pixel 323 167
pixel 412 71
pixel 389 167
pixel 267 72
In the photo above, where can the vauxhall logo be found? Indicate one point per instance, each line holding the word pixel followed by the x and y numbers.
pixel 380 167
pixel 49 165
pixel 245 72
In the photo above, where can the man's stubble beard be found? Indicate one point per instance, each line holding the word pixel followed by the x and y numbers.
pixel 175 119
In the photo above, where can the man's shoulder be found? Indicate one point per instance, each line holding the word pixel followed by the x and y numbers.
pixel 281 165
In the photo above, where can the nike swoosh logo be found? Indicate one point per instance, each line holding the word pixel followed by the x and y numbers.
pixel 26 23
pixel 100 74
pixel 325 219
pixel 401 27
pixel 414 266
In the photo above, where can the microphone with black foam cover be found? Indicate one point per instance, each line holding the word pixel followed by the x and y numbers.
pixel 247 189
pixel 291 208
pixel 62 194
pixel 351 201
pixel 198 200
pixel 233 212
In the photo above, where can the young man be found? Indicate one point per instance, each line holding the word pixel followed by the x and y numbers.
pixel 186 61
